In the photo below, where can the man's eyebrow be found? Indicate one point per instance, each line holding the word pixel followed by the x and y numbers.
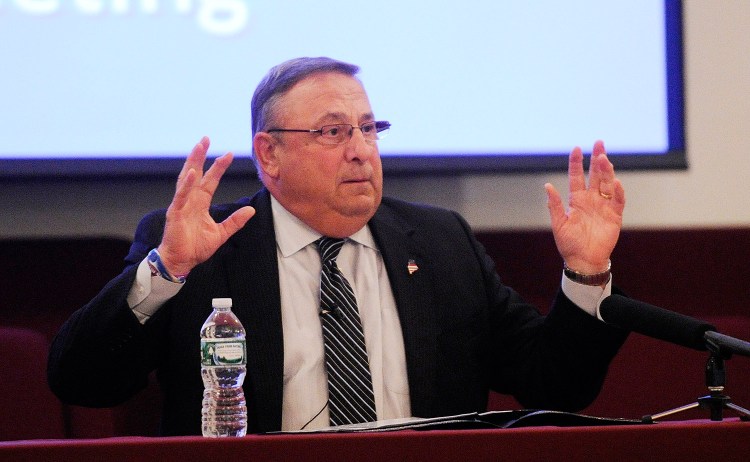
pixel 340 117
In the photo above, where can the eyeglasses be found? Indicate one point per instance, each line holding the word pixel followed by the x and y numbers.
pixel 341 133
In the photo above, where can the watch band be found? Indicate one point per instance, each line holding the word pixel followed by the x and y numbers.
pixel 589 279
pixel 157 268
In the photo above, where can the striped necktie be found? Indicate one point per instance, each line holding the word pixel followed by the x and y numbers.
pixel 350 395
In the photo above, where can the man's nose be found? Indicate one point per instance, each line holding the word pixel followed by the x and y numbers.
pixel 357 147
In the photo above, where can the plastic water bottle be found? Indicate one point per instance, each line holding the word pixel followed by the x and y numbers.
pixel 223 368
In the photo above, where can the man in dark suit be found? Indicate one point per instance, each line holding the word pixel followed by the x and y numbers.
pixel 439 326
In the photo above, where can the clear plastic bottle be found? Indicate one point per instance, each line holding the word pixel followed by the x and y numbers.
pixel 223 368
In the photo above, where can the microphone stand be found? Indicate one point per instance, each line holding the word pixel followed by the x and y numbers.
pixel 720 347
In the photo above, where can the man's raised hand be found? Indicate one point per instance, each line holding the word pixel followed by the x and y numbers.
pixel 191 236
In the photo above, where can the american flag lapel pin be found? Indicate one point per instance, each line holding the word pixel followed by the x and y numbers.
pixel 412 266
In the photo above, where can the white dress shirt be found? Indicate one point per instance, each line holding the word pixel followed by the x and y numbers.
pixel 305 379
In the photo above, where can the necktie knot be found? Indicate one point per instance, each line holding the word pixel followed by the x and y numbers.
pixel 329 248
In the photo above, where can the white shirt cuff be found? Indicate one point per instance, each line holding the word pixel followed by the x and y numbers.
pixel 588 298
pixel 149 293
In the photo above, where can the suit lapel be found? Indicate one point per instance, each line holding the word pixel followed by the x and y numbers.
pixel 402 247
pixel 253 275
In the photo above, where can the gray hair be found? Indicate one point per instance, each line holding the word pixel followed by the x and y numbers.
pixel 283 77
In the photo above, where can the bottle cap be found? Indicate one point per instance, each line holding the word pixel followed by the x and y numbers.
pixel 221 302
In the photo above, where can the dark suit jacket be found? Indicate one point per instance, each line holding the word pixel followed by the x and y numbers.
pixel 464 331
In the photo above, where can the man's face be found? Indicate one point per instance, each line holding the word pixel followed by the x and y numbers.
pixel 335 189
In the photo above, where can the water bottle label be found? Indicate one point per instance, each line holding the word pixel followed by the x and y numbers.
pixel 223 352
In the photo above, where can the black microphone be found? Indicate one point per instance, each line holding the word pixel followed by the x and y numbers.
pixel 335 312
pixel 653 321
pixel 727 344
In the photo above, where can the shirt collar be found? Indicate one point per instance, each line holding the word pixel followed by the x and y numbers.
pixel 292 234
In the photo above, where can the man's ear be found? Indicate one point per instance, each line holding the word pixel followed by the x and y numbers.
pixel 264 147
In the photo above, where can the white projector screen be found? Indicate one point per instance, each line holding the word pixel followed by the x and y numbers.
pixel 127 87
